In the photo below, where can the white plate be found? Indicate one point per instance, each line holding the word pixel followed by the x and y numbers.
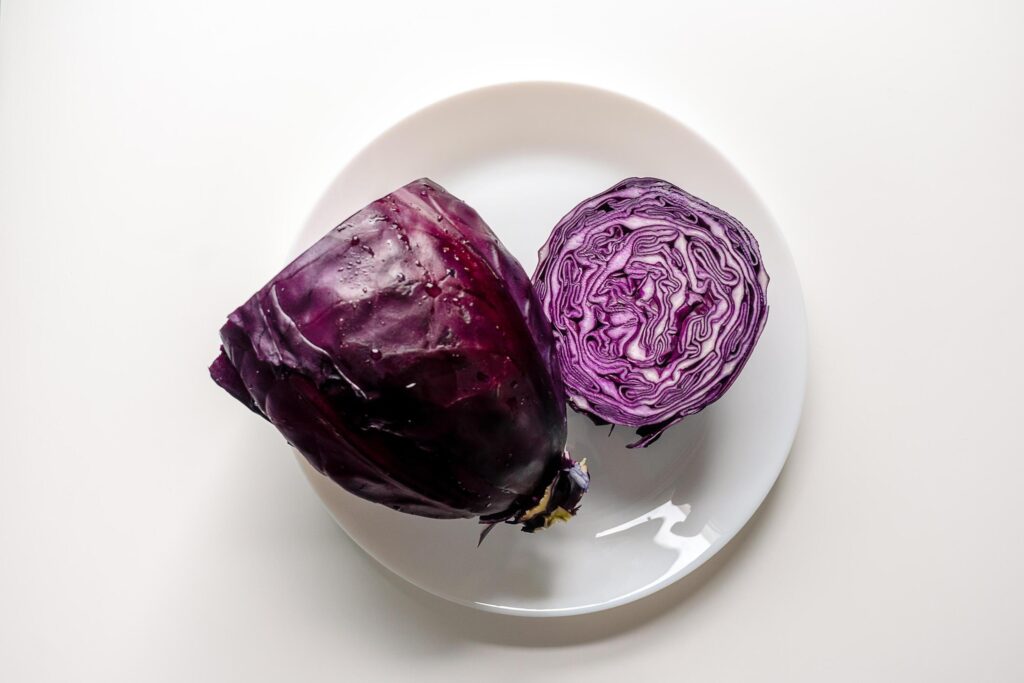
pixel 522 155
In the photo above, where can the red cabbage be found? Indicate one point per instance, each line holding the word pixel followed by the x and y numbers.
pixel 406 356
pixel 657 299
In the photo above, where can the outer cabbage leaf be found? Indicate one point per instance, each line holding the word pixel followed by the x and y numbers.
pixel 656 298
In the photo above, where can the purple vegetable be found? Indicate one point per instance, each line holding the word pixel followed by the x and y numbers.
pixel 406 356
pixel 657 299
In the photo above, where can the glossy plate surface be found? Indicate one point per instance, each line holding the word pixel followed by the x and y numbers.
pixel 523 155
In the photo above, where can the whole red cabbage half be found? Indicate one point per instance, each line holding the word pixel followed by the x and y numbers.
pixel 657 299
pixel 406 356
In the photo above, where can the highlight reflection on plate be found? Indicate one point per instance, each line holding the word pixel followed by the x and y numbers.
pixel 522 155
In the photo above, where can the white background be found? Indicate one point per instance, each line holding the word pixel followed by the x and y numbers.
pixel 156 162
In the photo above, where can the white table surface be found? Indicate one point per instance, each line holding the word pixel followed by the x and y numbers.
pixel 156 161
